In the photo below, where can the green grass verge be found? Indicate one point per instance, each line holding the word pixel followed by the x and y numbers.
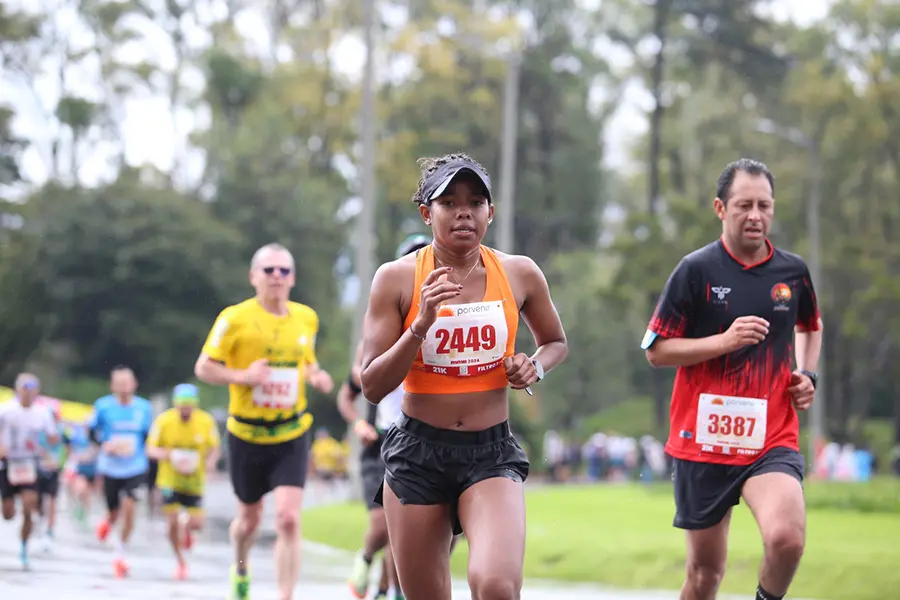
pixel 621 535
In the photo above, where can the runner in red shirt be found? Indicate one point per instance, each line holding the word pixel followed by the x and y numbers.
pixel 730 318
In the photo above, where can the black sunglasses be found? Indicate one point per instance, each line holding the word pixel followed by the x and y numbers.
pixel 285 271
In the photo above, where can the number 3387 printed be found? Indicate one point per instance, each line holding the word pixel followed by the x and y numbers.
pixel 728 425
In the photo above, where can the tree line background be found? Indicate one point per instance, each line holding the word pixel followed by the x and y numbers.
pixel 134 267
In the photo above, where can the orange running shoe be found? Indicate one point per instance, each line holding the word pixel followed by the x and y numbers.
pixel 102 530
pixel 121 568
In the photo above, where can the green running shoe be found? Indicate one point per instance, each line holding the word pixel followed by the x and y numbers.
pixel 359 580
pixel 240 585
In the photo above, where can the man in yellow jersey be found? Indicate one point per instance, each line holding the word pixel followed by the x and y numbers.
pixel 264 350
pixel 185 442
pixel 326 453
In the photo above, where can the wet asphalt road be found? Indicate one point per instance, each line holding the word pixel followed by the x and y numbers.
pixel 78 567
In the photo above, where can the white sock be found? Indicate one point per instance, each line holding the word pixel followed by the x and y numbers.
pixel 119 546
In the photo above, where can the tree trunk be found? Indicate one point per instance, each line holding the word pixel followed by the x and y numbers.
pixel 660 23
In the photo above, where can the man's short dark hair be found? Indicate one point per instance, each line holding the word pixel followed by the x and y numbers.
pixel 118 368
pixel 747 165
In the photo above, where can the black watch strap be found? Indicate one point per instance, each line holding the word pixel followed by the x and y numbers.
pixel 814 377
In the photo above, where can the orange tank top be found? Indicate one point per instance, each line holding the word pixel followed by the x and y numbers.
pixel 463 351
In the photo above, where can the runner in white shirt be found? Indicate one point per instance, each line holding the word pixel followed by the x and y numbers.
pixel 21 424
pixel 370 429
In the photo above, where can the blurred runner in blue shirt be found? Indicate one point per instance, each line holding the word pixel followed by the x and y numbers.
pixel 83 460
pixel 120 425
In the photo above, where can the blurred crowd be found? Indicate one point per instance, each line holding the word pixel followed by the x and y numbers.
pixel 845 462
pixel 605 456
pixel 609 456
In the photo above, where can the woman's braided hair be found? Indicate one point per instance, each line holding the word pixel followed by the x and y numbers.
pixel 429 165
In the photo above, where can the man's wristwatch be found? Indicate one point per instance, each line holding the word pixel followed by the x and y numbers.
pixel 814 377
pixel 539 368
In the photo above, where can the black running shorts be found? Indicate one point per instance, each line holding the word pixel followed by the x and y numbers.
pixel 48 484
pixel 425 465
pixel 704 492
pixel 114 488
pixel 257 469
pixel 172 500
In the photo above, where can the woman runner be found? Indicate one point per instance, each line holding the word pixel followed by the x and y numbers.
pixel 443 321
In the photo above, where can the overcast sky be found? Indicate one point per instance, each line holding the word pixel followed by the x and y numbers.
pixel 154 135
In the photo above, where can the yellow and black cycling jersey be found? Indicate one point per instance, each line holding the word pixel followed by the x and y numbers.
pixel 275 411
pixel 190 443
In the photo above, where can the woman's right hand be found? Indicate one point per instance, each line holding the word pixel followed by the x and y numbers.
pixel 435 290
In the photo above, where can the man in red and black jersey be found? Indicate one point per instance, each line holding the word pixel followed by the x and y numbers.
pixel 733 317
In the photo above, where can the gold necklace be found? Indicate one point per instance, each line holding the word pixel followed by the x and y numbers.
pixel 467 274
pixel 458 282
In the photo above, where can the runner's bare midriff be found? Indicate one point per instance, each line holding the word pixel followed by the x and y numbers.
pixel 462 412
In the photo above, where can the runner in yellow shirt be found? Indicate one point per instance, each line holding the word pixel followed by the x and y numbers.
pixel 264 350
pixel 185 441
pixel 326 452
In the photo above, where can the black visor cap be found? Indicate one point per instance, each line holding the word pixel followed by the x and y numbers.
pixel 437 182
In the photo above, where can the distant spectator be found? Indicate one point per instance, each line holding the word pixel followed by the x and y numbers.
pixel 573 459
pixel 845 469
pixel 595 454
pixel 863 464
pixel 652 459
pixel 554 454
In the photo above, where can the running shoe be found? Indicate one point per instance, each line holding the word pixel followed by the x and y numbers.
pixel 181 572
pixel 23 557
pixel 102 530
pixel 359 581
pixel 120 567
pixel 79 513
pixel 83 520
pixel 240 585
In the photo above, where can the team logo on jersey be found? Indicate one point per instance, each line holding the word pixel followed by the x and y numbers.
pixel 720 292
pixel 781 296
pixel 717 296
